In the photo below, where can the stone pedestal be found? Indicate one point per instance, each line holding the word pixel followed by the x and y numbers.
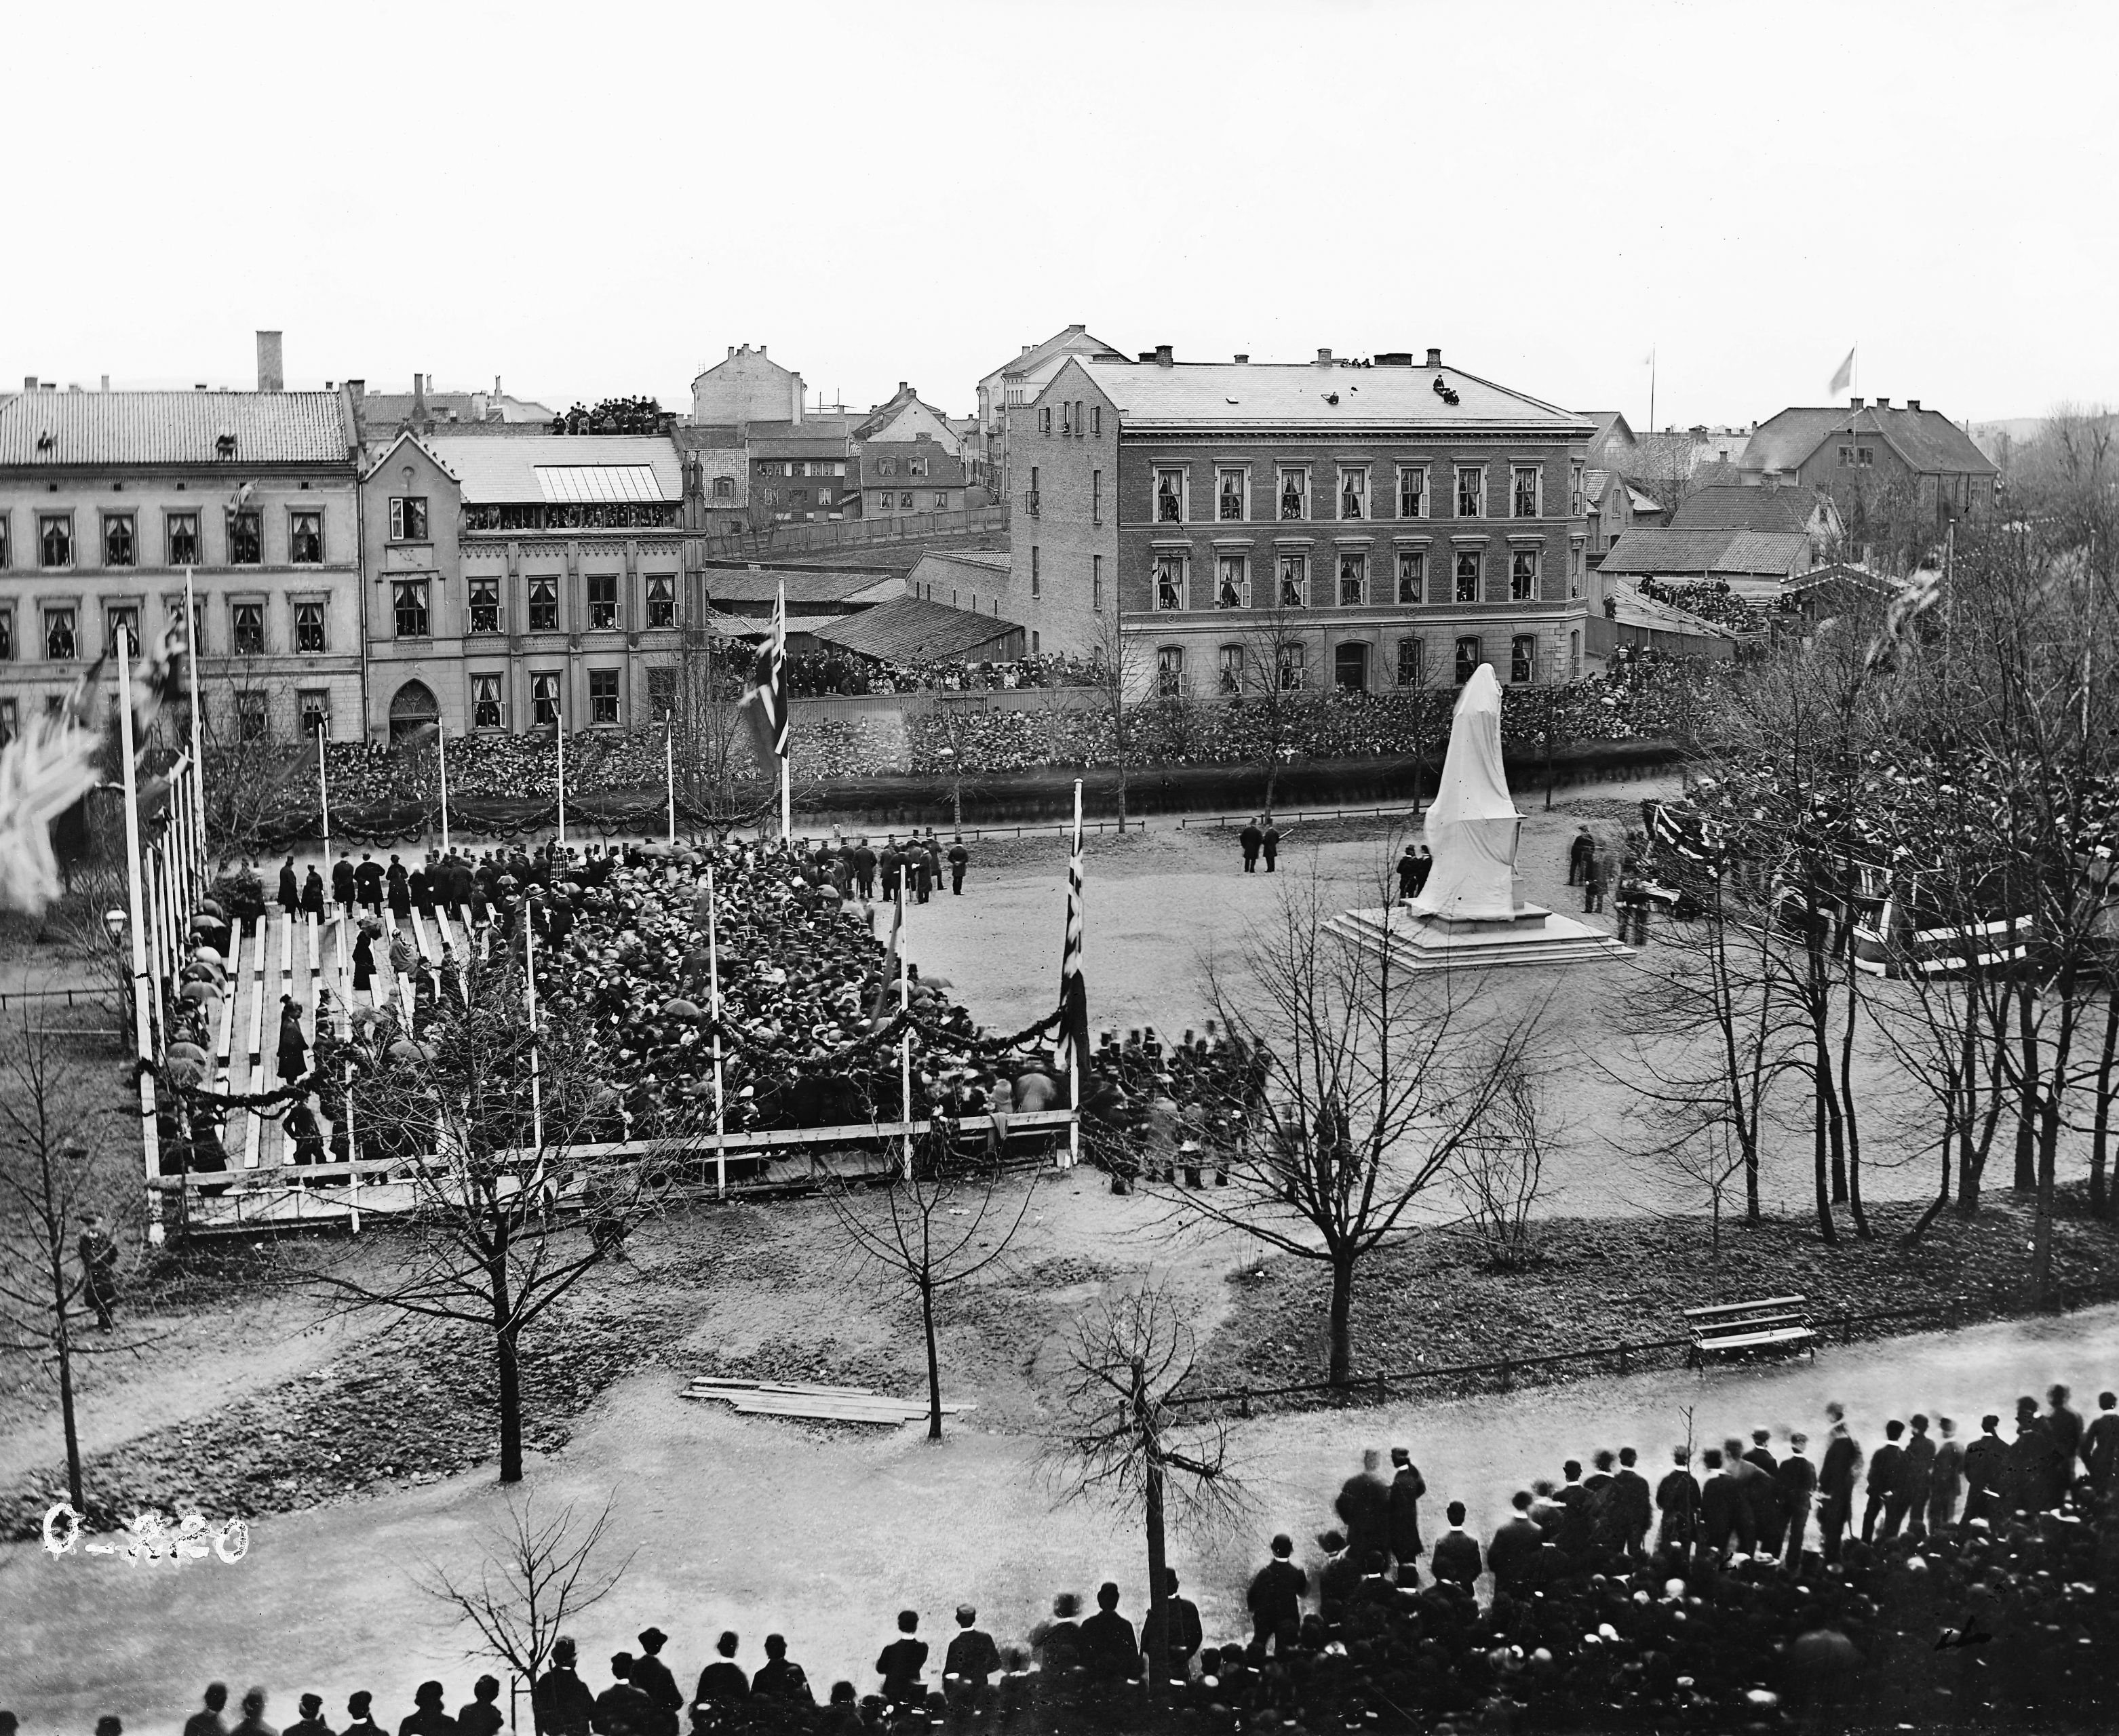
pixel 1533 936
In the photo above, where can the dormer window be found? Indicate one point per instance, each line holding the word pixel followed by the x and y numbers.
pixel 223 447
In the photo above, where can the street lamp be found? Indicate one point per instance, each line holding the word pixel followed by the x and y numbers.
pixel 114 925
pixel 955 766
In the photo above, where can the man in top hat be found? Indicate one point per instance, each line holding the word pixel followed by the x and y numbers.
pixel 651 1676
pixel 312 1721
pixel 1407 1487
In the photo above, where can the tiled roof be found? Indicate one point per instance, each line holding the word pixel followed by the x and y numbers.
pixel 1245 394
pixel 912 630
pixel 707 437
pixel 806 589
pixel 978 558
pixel 1734 506
pixel 493 472
pixel 943 470
pixel 1040 359
pixel 115 428
pixel 1928 441
pixel 797 446
pixel 385 411
pixel 830 424
pixel 1656 550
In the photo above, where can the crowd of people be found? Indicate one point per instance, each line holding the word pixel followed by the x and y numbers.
pixel 1640 695
pixel 1977 1582
pixel 816 672
pixel 1713 600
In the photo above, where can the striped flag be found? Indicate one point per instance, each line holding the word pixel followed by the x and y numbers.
pixel 1073 992
pixel 765 694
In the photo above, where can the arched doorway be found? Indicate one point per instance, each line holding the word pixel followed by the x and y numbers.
pixel 413 708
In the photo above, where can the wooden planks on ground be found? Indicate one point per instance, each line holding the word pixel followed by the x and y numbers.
pixel 797 1400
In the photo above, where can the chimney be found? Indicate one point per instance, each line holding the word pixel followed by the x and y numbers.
pixel 901 388
pixel 418 397
pixel 1856 403
pixel 272 375
pixel 496 386
pixel 1027 349
pixel 29 382
pixel 1911 403
pixel 1324 358
pixel 356 390
pixel 1883 404
pixel 761 349
pixel 1245 359
pixel 1434 358
pixel 1164 356
pixel 105 386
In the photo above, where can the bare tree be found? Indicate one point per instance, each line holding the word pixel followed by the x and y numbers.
pixel 1500 1174
pixel 497 1127
pixel 719 784
pixel 1122 1441
pixel 1366 1083
pixel 1120 673
pixel 61 1159
pixel 934 1230
pixel 535 1576
pixel 1274 685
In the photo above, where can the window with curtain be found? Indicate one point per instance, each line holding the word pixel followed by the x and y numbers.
pixel 1468 658
pixel 246 623
pixel 1232 581
pixel 1412 491
pixel 1412 576
pixel 58 634
pixel 1354 493
pixel 1295 494
pixel 661 599
pixel 484 605
pixel 1170 581
pixel 1523 575
pixel 1294 580
pixel 543 605
pixel 408 599
pixel 485 706
pixel 1471 492
pixel 118 545
pixel 1409 670
pixel 1170 497
pixel 1230 675
pixel 1229 494
pixel 1353 578
pixel 309 627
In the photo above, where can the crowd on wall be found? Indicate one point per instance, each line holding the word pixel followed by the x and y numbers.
pixel 1642 695
pixel 812 673
pixel 1930 1581
pixel 1713 600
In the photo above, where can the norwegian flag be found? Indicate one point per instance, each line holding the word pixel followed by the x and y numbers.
pixel 1074 990
pixel 765 695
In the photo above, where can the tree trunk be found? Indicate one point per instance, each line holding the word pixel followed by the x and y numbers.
pixel 2100 1194
pixel 1820 1136
pixel 2027 1095
pixel 2043 1295
pixel 934 1361
pixel 1342 1310
pixel 62 1344
pixel 1158 1595
pixel 1271 778
pixel 507 1333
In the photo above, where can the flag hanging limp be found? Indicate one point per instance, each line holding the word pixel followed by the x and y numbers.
pixel 765 694
pixel 1842 376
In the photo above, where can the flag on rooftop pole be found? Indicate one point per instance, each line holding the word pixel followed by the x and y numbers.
pixel 1842 377
pixel 1074 990
pixel 777 705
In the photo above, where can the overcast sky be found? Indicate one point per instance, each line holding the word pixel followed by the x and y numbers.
pixel 589 200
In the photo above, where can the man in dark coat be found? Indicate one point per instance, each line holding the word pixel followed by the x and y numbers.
pixel 346 885
pixel 1907 1510
pixel 312 893
pixel 360 1723
pixel 1180 1616
pixel 902 1661
pixel 960 859
pixel 864 867
pixel 291 895
pixel 2100 1444
pixel 1632 1504
pixel 1269 844
pixel 1722 1506
pixel 99 1273
pixel 421 884
pixel 429 1716
pixel 294 1047
pixel 651 1676
pixel 1109 1647
pixel 561 1701
pixel 780 1678
pixel 1277 1591
pixel 1408 872
pixel 1580 853
pixel 1677 1499
pixel 1884 1471
pixel 400 889
pixel 1250 838
pixel 1407 1487
pixel 621 1710
pixel 1772 1517
pixel 2064 1429
pixel 368 878
pixel 208 1722
pixel 722 1683
pixel 1456 1552
pixel 1364 1507
pixel 971 1663
pixel 1986 1469
pixel 1797 1477
pixel 1426 867
pixel 481 1714
pixel 1513 1555
pixel 1835 1482
pixel 312 1721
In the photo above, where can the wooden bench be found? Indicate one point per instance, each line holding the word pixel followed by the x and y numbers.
pixel 1747 1328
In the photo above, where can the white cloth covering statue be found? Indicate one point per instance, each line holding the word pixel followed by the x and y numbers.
pixel 1473 825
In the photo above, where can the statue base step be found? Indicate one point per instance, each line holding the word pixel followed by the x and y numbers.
pixel 1533 936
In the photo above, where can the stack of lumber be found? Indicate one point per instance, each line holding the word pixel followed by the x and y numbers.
pixel 820 1404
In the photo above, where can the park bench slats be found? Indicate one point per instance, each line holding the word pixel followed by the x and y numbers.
pixel 1737 1328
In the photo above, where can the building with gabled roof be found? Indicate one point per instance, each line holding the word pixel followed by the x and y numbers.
pixel 518 583
pixel 912 630
pixel 108 499
pixel 1753 562
pixel 904 416
pixel 898 477
pixel 1866 449
pixel 747 386
pixel 1015 383
pixel 1384 524
pixel 1732 506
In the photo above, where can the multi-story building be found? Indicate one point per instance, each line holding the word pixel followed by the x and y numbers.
pixel 1868 450
pixel 1015 384
pixel 799 474
pixel 1368 524
pixel 898 477
pixel 904 416
pixel 513 583
pixel 747 386
pixel 108 498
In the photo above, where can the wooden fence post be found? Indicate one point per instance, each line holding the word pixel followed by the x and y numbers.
pixel 1847 1328
pixel 1508 1379
pixel 1623 1360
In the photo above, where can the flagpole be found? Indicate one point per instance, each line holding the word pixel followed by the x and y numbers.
pixel 529 1000
pixel 323 789
pixel 559 739
pixel 1076 1060
pixel 142 1037
pixel 780 679
pixel 904 1035
pixel 714 1009
pixel 198 749
pixel 669 769
pixel 441 751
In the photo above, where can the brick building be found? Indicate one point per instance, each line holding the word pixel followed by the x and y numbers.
pixel 1368 524
pixel 107 498
pixel 898 477
pixel 510 581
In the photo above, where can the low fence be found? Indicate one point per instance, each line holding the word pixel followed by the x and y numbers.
pixel 1503 1373
pixel 857 533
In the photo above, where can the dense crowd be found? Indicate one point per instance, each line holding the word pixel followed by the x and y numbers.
pixel 815 673
pixel 1713 600
pixel 1936 1581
